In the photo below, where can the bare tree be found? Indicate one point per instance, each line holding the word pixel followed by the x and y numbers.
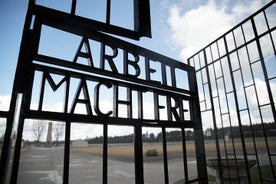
pixel 38 129
pixel 58 131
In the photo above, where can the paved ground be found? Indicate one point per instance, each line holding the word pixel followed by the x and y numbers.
pixel 45 166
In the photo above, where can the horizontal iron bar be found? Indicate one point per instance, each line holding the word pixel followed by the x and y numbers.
pixel 245 109
pixel 263 105
pixel 79 67
pixel 250 85
pixel 73 26
pixel 225 113
pixel 271 78
pixel 4 114
pixel 31 114
pixel 82 22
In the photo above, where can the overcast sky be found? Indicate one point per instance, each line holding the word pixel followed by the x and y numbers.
pixel 179 29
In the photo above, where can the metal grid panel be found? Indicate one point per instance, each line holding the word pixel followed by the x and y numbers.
pixel 236 78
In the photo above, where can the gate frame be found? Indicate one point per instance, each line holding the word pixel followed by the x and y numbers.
pixel 204 66
pixel 23 83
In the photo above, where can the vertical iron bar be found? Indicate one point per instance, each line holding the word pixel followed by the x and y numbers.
pixel 247 106
pixel 24 106
pixel 129 101
pixel 116 100
pixel 268 88
pixel 138 140
pixel 165 156
pixel 42 90
pixel 66 163
pixel 138 154
pixel 214 117
pixel 32 47
pixel 219 103
pixel 251 126
pixel 225 146
pixel 164 74
pixel 6 145
pixel 140 105
pixel 198 132
pixel 17 149
pixel 156 109
pixel 105 166
pixel 173 77
pixel 270 35
pixel 73 7
pixel 230 121
pixel 201 77
pixel 17 88
pixel 238 112
pixel 108 11
pixel 184 152
pixel 67 93
pixel 223 133
pixel 142 17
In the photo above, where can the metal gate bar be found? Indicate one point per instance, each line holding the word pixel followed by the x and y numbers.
pixel 31 61
pixel 226 68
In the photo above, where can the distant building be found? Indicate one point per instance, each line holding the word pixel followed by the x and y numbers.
pixel 80 144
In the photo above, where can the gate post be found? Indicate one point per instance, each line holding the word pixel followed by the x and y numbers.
pixel 198 132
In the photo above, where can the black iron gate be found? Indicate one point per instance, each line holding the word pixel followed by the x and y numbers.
pixel 117 66
pixel 236 77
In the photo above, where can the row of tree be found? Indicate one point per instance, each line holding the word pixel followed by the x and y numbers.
pixel 258 130
pixel 171 136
